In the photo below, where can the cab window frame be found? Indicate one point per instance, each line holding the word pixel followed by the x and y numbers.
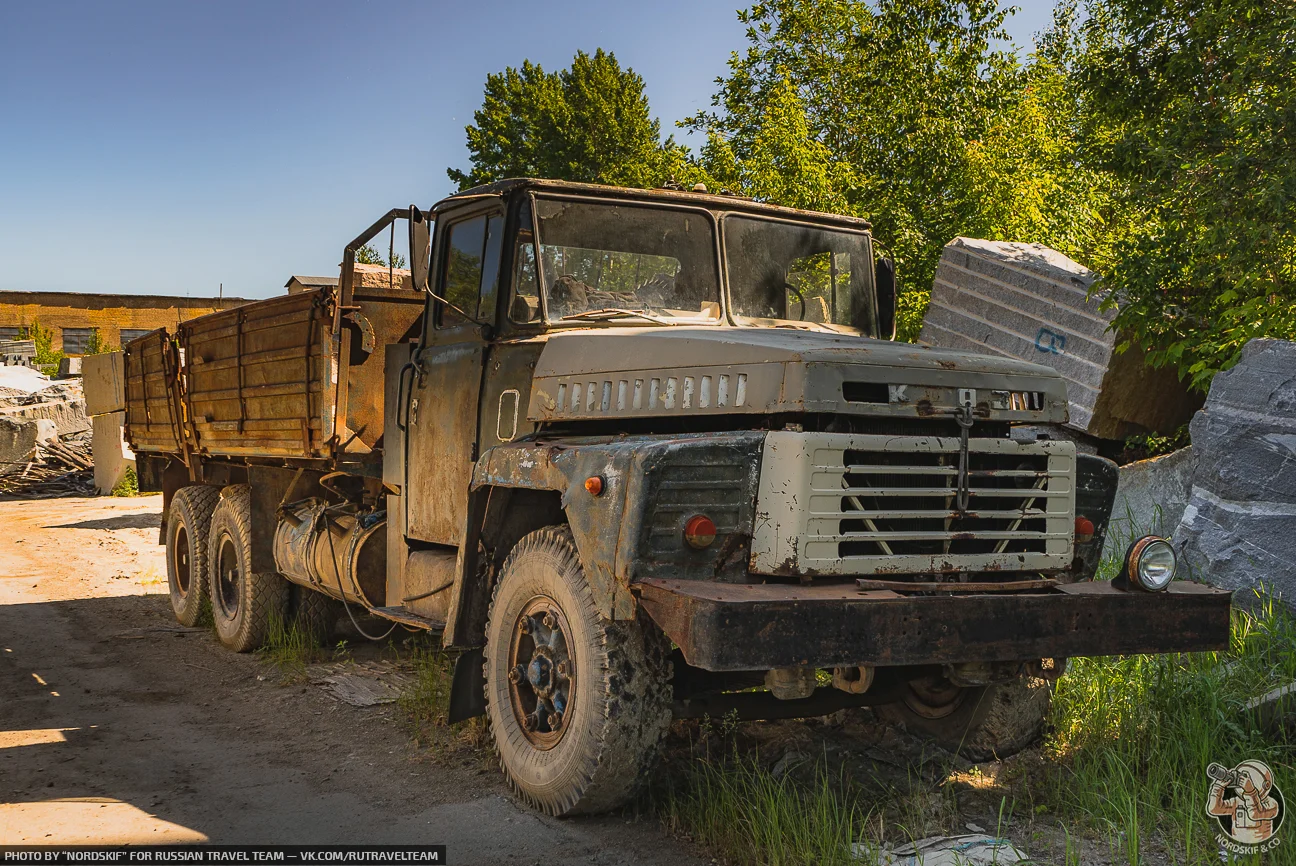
pixel 732 316
pixel 544 323
pixel 446 224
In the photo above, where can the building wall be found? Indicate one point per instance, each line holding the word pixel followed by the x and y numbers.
pixel 109 314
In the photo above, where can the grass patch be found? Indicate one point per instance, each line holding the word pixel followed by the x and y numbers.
pixel 742 812
pixel 1133 737
pixel 426 703
pixel 1122 770
pixel 128 485
pixel 290 649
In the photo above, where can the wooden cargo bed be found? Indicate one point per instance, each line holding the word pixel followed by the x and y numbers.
pixel 270 378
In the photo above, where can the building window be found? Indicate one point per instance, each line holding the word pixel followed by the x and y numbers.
pixel 75 340
pixel 128 334
pixel 10 333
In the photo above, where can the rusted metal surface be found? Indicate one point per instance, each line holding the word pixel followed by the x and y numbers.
pixel 259 377
pixel 970 586
pixel 734 627
pixel 154 419
pixel 651 486
pixel 1096 482
pixel 441 437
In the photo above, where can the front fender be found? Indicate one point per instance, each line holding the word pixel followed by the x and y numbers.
pixel 613 530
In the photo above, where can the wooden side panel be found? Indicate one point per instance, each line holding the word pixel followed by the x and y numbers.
pixel 261 378
pixel 153 419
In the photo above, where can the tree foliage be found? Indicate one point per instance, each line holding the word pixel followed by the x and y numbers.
pixel 589 122
pixel 1152 140
pixel 1191 106
pixel 912 113
pixel 369 255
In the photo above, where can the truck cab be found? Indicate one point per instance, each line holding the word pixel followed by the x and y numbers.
pixel 654 454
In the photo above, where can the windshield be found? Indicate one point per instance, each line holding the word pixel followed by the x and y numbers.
pixel 788 274
pixel 622 262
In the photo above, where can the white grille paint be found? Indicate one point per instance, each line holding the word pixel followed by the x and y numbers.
pixel 691 391
pixel 800 506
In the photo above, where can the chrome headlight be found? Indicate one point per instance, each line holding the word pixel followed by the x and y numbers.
pixel 1150 563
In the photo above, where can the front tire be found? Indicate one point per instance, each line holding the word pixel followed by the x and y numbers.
pixel 244 602
pixel 188 523
pixel 577 704
pixel 980 723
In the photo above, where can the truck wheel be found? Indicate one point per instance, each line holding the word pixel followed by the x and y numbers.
pixel 981 723
pixel 188 520
pixel 243 601
pixel 314 613
pixel 577 704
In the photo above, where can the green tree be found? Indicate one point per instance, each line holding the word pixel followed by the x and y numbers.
pixel 1191 105
pixel 47 357
pixel 892 95
pixel 589 122
pixel 97 345
pixel 369 255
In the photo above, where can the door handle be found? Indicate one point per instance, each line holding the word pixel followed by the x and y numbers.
pixel 402 408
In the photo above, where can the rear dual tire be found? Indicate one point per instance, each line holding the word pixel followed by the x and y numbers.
pixel 187 527
pixel 244 602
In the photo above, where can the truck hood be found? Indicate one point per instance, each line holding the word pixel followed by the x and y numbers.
pixel 640 372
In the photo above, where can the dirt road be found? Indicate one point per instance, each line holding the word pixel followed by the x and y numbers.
pixel 118 726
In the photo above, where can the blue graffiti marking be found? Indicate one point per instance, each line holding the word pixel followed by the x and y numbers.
pixel 1050 341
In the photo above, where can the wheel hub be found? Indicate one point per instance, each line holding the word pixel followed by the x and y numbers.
pixel 541 673
pixel 933 697
pixel 227 573
pixel 182 560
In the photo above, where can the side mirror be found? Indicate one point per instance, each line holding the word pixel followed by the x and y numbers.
pixel 420 247
pixel 884 284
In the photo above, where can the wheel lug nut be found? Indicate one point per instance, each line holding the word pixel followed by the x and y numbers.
pixel 524 625
pixel 561 668
pixel 529 722
pixel 515 674
pixel 555 721
pixel 549 620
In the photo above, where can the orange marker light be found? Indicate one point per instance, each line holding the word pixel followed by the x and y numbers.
pixel 1084 530
pixel 594 484
pixel 700 531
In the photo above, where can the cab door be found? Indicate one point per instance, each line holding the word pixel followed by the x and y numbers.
pixel 442 413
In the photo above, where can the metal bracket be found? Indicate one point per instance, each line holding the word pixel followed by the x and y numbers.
pixel 964 418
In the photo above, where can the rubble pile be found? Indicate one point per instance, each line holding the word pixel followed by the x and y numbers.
pixel 44 437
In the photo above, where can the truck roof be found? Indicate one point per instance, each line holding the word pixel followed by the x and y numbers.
pixel 722 201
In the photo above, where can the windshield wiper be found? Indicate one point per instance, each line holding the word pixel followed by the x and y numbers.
pixel 609 313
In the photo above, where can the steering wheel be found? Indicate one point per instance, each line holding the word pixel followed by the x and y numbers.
pixel 800 299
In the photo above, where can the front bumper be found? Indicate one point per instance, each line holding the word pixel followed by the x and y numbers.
pixel 736 627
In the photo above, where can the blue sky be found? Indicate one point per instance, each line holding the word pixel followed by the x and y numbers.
pixel 165 148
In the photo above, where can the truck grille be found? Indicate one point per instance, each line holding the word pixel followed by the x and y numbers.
pixel 869 504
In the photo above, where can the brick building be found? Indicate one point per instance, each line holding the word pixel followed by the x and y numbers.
pixel 72 316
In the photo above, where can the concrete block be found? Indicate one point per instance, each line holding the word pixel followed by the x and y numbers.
pixel 18 441
pixel 1239 527
pixel 1030 302
pixel 1150 499
pixel 67 414
pixel 104 379
pixel 112 456
pixel 69 368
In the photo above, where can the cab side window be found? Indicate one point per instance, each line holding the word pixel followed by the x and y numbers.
pixel 470 273
pixel 461 274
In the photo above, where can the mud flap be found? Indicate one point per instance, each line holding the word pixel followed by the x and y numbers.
pixel 467 690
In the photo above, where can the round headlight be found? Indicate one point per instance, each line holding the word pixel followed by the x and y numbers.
pixel 1150 563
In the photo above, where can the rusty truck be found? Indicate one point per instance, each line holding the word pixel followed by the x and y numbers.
pixel 639 455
